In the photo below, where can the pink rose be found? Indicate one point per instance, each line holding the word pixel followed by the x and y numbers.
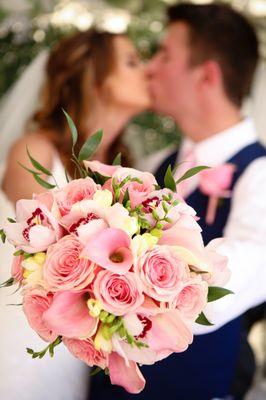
pixel 36 227
pixel 85 351
pixel 64 269
pixel 162 273
pixel 74 192
pixel 138 190
pixel 192 299
pixel 17 269
pixel 119 294
pixel 103 169
pixel 35 303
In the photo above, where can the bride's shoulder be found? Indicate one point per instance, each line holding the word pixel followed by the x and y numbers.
pixel 39 146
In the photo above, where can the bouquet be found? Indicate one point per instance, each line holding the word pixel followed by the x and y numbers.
pixel 112 266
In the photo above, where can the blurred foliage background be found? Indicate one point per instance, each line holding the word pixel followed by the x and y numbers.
pixel 27 26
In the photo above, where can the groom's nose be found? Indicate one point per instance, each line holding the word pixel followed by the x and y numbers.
pixel 150 68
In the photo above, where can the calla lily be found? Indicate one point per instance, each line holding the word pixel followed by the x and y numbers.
pixel 69 316
pixel 169 332
pixel 127 376
pixel 110 249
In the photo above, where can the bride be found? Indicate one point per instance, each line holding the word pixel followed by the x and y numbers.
pixel 99 80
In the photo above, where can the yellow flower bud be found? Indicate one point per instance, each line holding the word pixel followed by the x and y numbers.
pixel 95 307
pixel 39 258
pixel 101 343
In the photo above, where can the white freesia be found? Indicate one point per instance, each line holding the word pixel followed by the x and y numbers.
pixel 142 243
pixel 118 217
pixel 33 269
pixel 103 198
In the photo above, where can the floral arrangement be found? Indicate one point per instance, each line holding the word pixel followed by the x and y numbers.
pixel 112 266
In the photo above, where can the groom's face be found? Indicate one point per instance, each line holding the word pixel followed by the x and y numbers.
pixel 173 81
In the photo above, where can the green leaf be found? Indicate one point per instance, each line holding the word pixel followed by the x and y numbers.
pixel 18 253
pixel 95 371
pixel 90 146
pixel 117 160
pixel 43 183
pixel 72 127
pixel 216 293
pixel 100 179
pixel 202 320
pixel 37 165
pixel 66 175
pixel 169 181
pixel 126 198
pixel 7 283
pixel 2 235
pixel 191 172
pixel 31 171
pixel 11 220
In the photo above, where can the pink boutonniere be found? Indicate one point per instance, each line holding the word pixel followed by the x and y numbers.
pixel 215 183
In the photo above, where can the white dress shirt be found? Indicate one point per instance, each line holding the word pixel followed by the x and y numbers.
pixel 245 230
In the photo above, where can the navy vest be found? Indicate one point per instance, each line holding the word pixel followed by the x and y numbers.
pixel 206 369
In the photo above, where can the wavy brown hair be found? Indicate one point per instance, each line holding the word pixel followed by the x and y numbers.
pixel 76 66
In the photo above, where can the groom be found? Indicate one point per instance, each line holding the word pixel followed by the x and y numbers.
pixel 200 76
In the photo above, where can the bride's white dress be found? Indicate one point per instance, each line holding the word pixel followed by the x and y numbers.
pixel 21 377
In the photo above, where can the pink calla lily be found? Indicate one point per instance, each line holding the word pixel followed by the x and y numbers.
pixel 110 249
pixel 124 374
pixel 69 316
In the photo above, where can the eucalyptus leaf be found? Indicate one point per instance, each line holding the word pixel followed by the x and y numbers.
pixel 43 183
pixel 202 320
pixel 169 181
pixel 31 171
pixel 90 146
pixel 37 165
pixel 7 283
pixel 216 293
pixel 191 172
pixel 117 160
pixel 72 127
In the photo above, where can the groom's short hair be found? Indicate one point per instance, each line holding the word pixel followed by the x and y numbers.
pixel 219 33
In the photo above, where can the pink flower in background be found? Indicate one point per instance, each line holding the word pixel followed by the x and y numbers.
pixel 192 299
pixel 119 294
pixel 35 303
pixel 138 191
pixel 68 315
pixel 74 192
pixel 110 249
pixel 103 169
pixel 85 351
pixel 36 228
pixel 17 269
pixel 64 267
pixel 215 183
pixel 125 374
pixel 162 273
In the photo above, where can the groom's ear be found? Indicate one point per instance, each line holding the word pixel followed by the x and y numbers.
pixel 210 74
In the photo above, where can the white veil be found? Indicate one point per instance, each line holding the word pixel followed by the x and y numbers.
pixel 20 102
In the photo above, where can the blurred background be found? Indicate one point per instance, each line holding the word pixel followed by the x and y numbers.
pixel 28 26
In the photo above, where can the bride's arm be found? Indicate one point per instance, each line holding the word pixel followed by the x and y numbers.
pixel 17 182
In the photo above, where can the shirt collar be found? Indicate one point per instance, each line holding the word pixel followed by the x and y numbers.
pixel 220 147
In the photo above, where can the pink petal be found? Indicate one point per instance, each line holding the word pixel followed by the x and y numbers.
pixel 107 243
pixel 127 376
pixel 40 237
pixel 69 316
pixel 169 332
pixel 90 230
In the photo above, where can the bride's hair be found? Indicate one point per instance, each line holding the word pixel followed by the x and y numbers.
pixel 76 66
